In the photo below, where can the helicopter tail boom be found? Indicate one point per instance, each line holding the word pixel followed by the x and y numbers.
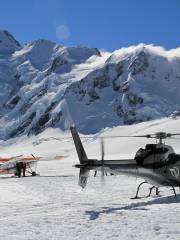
pixel 84 171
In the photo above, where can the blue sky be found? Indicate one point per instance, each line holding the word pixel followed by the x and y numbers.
pixel 106 24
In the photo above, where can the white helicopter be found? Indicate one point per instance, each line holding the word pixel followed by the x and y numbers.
pixel 157 164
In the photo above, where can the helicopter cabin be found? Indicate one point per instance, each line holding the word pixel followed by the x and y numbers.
pixel 152 153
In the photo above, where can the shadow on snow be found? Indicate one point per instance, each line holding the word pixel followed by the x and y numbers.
pixel 94 214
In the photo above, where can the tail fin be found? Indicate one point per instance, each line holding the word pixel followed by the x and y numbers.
pixel 78 144
pixel 83 177
pixel 84 173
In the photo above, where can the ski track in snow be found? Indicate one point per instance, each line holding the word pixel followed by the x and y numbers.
pixel 52 205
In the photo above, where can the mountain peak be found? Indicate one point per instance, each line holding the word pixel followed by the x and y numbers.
pixel 42 43
pixel 8 44
pixel 48 85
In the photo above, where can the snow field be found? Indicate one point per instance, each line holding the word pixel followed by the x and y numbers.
pixel 52 206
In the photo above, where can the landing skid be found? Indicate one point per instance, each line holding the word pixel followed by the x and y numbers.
pixel 174 191
pixel 136 197
pixel 150 190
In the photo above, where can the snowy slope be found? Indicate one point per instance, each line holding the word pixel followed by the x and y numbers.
pixel 52 206
pixel 44 84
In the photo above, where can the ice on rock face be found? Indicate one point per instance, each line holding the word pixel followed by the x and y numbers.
pixel 44 84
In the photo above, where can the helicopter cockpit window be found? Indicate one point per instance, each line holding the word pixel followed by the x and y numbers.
pixel 150 146
pixel 173 158
pixel 154 149
pixel 150 149
pixel 140 155
pixel 140 152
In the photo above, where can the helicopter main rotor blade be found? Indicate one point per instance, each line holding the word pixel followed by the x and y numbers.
pixel 154 135
pixel 173 134
pixel 174 138
pixel 136 136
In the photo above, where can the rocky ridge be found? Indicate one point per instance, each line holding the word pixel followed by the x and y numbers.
pixel 44 84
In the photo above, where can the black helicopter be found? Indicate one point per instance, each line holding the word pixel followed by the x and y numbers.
pixel 157 164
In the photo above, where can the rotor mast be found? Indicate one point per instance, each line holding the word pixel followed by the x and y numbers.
pixel 161 135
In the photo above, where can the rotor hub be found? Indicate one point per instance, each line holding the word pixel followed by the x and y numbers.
pixel 161 135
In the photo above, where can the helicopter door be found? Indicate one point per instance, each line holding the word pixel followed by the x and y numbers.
pixel 173 167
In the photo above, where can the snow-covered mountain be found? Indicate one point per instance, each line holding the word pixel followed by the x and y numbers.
pixel 44 84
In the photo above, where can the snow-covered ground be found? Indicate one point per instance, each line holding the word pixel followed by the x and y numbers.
pixel 52 206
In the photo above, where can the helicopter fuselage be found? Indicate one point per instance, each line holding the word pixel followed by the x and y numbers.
pixel 157 164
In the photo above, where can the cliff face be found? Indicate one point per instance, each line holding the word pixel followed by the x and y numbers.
pixel 44 84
